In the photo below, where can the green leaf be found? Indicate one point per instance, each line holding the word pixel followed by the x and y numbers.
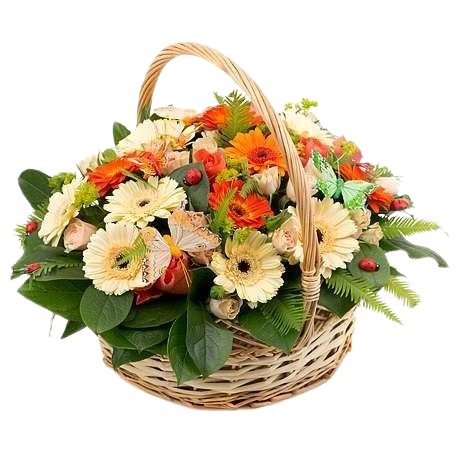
pixel 394 227
pixel 378 278
pixel 343 284
pixel 208 345
pixel 400 289
pixel 274 222
pixel 412 250
pixel 35 253
pixel 35 187
pixel 70 273
pixel 263 329
pixel 122 356
pixel 72 327
pixel 119 132
pixel 93 215
pixel 180 359
pixel 160 311
pixel 198 193
pixel 202 281
pixel 102 312
pixel 61 297
pixel 336 304
pixel 286 311
pixel 135 339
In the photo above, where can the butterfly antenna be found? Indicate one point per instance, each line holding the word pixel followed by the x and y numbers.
pixel 187 277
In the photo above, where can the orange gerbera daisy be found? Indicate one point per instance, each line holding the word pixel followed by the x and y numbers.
pixel 261 152
pixel 110 175
pixel 246 211
pixel 380 200
pixel 213 117
pixel 351 171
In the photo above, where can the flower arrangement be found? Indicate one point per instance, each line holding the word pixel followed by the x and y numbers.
pixel 189 224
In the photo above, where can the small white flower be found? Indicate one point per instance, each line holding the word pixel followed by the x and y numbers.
pixel 268 180
pixel 226 308
pixel 307 125
pixel 388 183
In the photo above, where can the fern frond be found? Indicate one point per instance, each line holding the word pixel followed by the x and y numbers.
pixel 134 254
pixel 250 186
pixel 274 222
pixel 343 284
pixel 286 311
pixel 382 171
pixel 400 289
pixel 220 99
pixel 47 266
pixel 219 221
pixel 405 226
pixel 239 116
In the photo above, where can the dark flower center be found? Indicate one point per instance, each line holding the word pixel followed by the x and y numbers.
pixel 244 266
pixel 143 203
pixel 120 262
pixel 319 235
pixel 237 209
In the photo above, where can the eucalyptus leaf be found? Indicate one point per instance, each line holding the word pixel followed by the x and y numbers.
pixel 208 345
pixel 198 193
pixel 377 278
pixel 119 132
pixel 263 329
pixel 102 312
pixel 35 187
pixel 180 359
pixel 61 297
pixel 412 250
pixel 158 312
pixel 72 327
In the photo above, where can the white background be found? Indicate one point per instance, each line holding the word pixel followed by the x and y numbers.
pixel 385 74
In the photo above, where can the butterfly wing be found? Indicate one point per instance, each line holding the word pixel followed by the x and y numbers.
pixel 189 234
pixel 327 183
pixel 158 255
pixel 354 193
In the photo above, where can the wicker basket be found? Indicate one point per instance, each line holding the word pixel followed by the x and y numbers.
pixel 255 374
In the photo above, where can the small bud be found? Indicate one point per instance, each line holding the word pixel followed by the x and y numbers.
pixel 368 264
pixel 31 227
pixel 217 292
pixel 193 176
pixel 401 203
pixel 33 267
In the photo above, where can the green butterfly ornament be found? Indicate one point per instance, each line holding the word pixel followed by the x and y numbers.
pixel 353 192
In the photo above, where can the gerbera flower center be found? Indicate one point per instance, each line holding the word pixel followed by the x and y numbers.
pixel 244 266
pixel 319 235
pixel 261 155
pixel 237 209
pixel 143 203
pixel 119 267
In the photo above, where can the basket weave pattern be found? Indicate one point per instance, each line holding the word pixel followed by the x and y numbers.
pixel 255 374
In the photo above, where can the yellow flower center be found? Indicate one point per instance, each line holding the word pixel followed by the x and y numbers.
pixel 176 251
pixel 117 268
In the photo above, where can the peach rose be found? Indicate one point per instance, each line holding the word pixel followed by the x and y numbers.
pixel 286 240
pixel 176 159
pixel 213 162
pixel 207 143
pixel 226 308
pixel 77 235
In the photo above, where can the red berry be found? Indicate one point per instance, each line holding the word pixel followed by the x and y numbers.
pixel 31 227
pixel 399 204
pixel 368 264
pixel 193 176
pixel 33 267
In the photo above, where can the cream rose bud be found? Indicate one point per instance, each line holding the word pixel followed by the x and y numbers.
pixel 226 308
pixel 372 235
pixel 174 160
pixel 389 184
pixel 312 175
pixel 77 235
pixel 268 181
pixel 361 218
pixel 207 143
pixel 286 241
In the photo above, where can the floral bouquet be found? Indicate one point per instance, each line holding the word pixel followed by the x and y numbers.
pixel 189 224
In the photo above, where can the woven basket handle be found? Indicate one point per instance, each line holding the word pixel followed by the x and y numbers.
pixel 309 265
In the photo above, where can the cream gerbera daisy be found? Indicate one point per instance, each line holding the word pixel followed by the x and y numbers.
pixel 61 210
pixel 252 268
pixel 140 202
pixel 102 256
pixel 307 125
pixel 336 233
pixel 149 133
pixel 174 113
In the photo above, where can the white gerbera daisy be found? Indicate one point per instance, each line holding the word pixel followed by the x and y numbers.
pixel 61 210
pixel 140 202
pixel 102 256
pixel 252 268
pixel 174 113
pixel 306 124
pixel 336 233
pixel 149 134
